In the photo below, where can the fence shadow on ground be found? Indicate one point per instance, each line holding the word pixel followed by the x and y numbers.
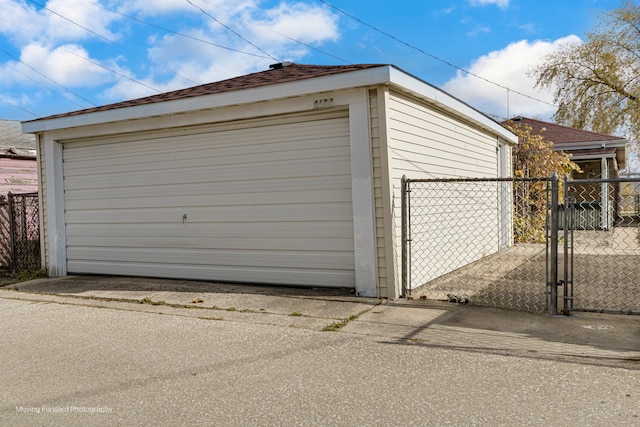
pixel 508 279
pixel 496 242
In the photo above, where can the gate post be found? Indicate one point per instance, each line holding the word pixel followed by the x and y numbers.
pixel 553 306
pixel 568 221
pixel 405 234
pixel 12 232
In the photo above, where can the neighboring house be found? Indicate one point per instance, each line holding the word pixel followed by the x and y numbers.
pixel 18 169
pixel 599 156
pixel 286 176
pixel 18 174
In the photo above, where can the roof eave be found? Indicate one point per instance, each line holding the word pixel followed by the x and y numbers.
pixel 597 156
pixel 370 76
pixel 384 74
pixel 447 102
pixel 568 146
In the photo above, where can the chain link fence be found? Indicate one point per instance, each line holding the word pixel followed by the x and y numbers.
pixel 602 245
pixel 20 232
pixel 529 244
pixel 477 240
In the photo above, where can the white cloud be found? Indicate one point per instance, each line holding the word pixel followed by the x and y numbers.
pixel 500 3
pixel 223 67
pixel 21 101
pixel 479 29
pixel 309 24
pixel 78 14
pixel 529 28
pixel 191 60
pixel 265 28
pixel 221 8
pixel 68 65
pixel 19 21
pixel 67 53
pixel 155 7
pixel 445 11
pixel 510 68
pixel 128 89
pixel 24 24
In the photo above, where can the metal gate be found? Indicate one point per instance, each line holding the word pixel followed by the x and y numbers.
pixel 483 241
pixel 600 221
pixel 532 244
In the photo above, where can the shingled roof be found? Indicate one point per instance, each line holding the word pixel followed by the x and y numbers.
pixel 12 138
pixel 559 134
pixel 278 73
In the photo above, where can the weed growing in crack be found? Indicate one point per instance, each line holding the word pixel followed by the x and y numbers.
pixel 338 324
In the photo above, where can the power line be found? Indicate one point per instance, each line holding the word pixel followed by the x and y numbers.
pixel 183 35
pixel 103 38
pixel 232 31
pixel 47 77
pixel 128 50
pixel 21 108
pixel 355 18
pixel 287 37
pixel 124 76
pixel 307 45
pixel 43 85
pixel 88 59
pixel 266 56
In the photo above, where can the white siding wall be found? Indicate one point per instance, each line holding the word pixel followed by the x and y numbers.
pixel 375 117
pixel 429 143
pixel 42 194
pixel 265 201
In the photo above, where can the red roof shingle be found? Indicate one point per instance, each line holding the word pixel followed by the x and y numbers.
pixel 279 73
pixel 559 134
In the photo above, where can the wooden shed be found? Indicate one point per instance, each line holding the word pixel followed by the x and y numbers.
pixel 286 176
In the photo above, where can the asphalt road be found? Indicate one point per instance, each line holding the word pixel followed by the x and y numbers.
pixel 66 363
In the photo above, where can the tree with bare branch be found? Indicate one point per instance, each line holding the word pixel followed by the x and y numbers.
pixel 596 83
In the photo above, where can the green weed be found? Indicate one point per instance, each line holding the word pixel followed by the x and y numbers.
pixel 338 324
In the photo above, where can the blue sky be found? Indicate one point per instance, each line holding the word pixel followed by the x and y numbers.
pixel 65 55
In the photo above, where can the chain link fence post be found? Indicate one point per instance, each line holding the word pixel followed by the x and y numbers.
pixel 406 285
pixel 553 279
pixel 567 231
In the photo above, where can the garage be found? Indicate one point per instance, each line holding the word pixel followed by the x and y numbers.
pixel 265 200
pixel 287 176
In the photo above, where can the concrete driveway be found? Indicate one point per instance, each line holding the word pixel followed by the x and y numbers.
pixel 130 351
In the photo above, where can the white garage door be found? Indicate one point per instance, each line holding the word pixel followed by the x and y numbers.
pixel 265 201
